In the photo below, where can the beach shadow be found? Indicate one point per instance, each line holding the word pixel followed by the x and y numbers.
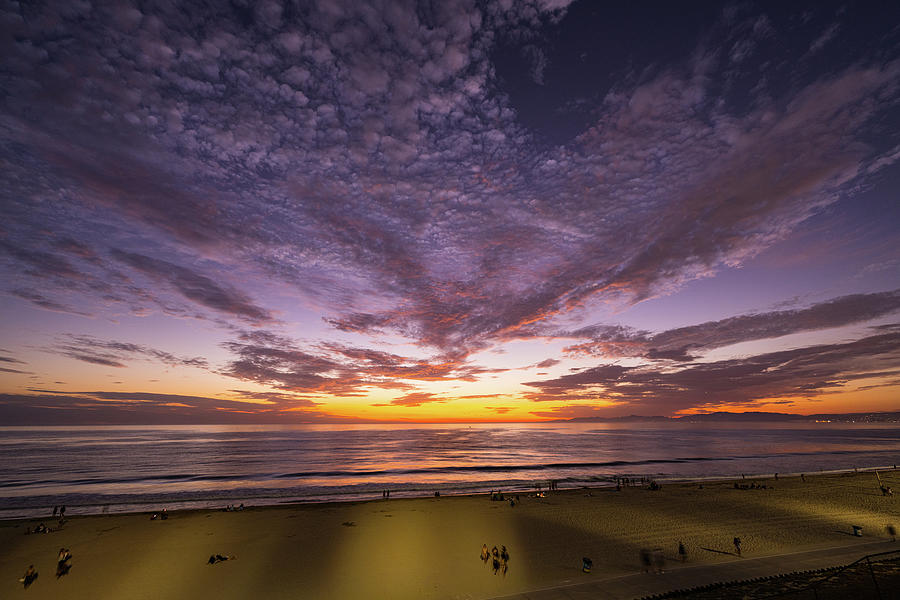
pixel 719 551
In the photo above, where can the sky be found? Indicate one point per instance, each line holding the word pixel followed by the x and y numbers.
pixel 329 212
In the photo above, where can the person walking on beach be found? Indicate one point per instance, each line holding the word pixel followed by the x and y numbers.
pixel 682 553
pixel 29 576
pixel 645 560
pixel 659 560
pixel 737 545
pixel 62 564
pixel 485 555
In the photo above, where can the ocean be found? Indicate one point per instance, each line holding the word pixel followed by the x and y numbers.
pixel 146 468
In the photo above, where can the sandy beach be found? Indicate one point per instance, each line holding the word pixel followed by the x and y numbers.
pixel 429 547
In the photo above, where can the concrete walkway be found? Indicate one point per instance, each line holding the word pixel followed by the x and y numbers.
pixel 628 587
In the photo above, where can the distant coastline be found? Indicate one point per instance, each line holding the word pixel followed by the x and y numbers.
pixel 754 417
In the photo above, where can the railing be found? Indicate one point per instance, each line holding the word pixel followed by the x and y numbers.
pixel 860 576
pixel 813 589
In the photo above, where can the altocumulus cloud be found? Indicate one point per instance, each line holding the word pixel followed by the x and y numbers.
pixel 367 157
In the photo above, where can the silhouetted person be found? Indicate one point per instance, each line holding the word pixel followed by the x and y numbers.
pixel 55 508
pixel 659 560
pixel 892 531
pixel 645 560
pixel 682 552
pixel 737 545
pixel 29 576
pixel 62 564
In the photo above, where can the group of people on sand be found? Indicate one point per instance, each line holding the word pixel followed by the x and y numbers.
pixel 886 491
pixel 497 558
pixel 63 565
pixel 39 528
pixel 499 497
pixel 233 508
pixel 752 486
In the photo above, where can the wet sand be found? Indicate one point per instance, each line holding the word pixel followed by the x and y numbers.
pixel 428 548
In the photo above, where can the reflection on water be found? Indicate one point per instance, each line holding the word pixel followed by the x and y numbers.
pixel 93 465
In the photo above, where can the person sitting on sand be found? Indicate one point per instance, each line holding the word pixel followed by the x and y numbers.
pixel 217 558
pixel 485 555
pixel 29 576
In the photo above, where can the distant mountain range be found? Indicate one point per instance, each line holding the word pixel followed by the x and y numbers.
pixel 766 417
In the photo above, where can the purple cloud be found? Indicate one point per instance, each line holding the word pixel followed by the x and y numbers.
pixel 368 163
pixel 51 407
pixel 196 287
pixel 337 369
pixel 113 353
pixel 803 372
pixel 684 342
